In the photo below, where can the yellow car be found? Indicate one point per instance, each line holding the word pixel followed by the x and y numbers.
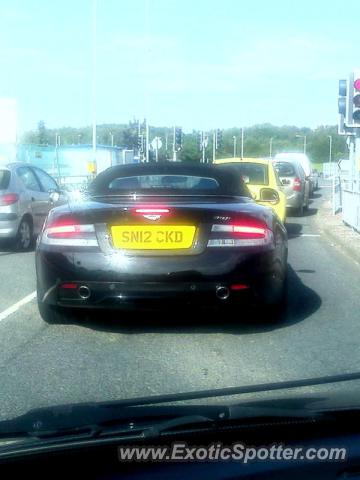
pixel 262 181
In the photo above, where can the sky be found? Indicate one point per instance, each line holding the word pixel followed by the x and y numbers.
pixel 194 63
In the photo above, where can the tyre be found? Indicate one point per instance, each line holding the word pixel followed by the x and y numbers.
pixel 24 237
pixel 300 211
pixel 55 315
pixel 273 304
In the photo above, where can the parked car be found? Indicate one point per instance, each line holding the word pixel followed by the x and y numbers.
pixel 295 183
pixel 27 194
pixel 262 181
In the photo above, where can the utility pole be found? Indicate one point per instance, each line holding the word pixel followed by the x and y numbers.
pixel 146 141
pixel 242 143
pixel 330 150
pixel 214 146
pixel 174 144
pixel 234 138
pixel 94 66
pixel 204 147
pixel 270 147
pixel 57 145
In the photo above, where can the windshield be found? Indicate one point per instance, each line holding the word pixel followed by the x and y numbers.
pixel 160 231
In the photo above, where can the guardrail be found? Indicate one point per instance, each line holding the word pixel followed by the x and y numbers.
pixel 351 208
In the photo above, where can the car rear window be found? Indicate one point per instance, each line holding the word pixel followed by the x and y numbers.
pixel 164 182
pixel 252 173
pixel 285 169
pixel 168 179
pixel 4 179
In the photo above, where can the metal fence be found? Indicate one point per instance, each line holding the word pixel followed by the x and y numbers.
pixel 346 197
pixel 351 208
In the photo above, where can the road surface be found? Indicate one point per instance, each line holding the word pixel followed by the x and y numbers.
pixel 135 355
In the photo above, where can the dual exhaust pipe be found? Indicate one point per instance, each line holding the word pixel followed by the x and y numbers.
pixel 222 292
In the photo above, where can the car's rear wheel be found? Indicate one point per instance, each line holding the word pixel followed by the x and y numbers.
pixel 273 302
pixel 300 211
pixel 24 235
pixel 55 315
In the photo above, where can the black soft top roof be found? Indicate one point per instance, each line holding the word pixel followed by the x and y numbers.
pixel 229 180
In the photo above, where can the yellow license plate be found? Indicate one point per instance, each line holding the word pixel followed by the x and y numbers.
pixel 152 237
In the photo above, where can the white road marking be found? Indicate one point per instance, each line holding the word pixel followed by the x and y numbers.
pixel 9 311
pixel 310 235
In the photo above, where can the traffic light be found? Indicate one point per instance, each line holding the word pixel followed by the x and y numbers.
pixel 219 139
pixel 352 109
pixel 342 102
pixel 178 138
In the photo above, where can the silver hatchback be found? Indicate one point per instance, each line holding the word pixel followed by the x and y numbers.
pixel 27 194
pixel 295 183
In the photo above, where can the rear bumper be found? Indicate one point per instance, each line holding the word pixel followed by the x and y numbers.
pixel 119 295
pixel 114 281
pixel 8 225
pixel 295 200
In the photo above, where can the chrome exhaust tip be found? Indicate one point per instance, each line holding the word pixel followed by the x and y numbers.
pixel 223 293
pixel 84 292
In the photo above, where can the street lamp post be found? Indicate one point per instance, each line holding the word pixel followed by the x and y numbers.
pixel 330 150
pixel 112 138
pixel 234 138
pixel 57 145
pixel 304 137
pixel 242 142
pixel 270 147
pixel 94 79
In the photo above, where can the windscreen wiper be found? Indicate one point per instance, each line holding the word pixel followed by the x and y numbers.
pixel 90 419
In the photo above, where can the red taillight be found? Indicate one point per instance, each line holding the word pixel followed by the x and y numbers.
pixel 157 210
pixel 297 185
pixel 245 232
pixel 68 233
pixel 8 199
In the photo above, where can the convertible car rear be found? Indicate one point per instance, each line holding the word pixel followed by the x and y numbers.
pixel 154 232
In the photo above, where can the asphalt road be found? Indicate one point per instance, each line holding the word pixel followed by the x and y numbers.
pixel 135 355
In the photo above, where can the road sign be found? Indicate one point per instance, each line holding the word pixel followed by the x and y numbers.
pixel 156 143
